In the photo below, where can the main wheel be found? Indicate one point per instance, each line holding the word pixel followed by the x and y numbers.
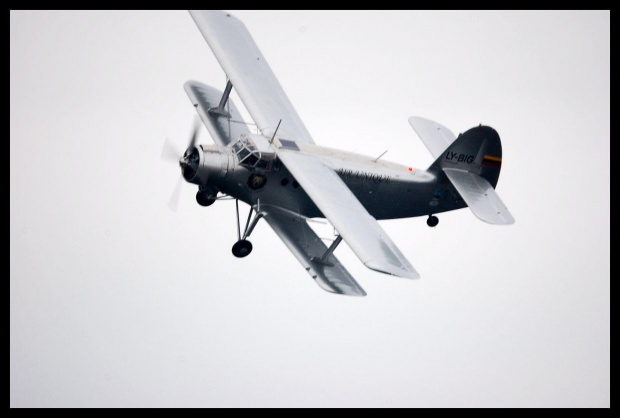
pixel 204 199
pixel 432 221
pixel 242 248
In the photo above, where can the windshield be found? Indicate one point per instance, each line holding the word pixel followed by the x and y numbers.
pixel 248 154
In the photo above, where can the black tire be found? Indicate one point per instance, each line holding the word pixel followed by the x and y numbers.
pixel 204 199
pixel 242 248
pixel 432 221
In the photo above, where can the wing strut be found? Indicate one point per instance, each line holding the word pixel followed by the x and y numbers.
pixel 247 69
pixel 221 108
pixel 323 259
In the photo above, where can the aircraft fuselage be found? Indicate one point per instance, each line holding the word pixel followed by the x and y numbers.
pixel 387 190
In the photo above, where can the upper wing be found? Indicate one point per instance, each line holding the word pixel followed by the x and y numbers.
pixel 303 242
pixel 250 74
pixel 340 206
pixel 223 128
pixel 435 136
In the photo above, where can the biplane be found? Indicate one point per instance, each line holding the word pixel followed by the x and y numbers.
pixel 287 179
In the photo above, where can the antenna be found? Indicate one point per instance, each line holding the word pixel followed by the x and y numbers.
pixel 376 159
pixel 274 132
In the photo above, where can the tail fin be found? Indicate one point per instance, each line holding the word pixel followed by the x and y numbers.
pixel 472 162
pixel 478 151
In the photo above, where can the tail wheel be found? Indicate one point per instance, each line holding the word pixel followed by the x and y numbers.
pixel 432 221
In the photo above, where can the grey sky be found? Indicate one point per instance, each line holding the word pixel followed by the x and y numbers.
pixel 117 301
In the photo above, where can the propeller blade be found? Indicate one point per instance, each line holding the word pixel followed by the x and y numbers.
pixel 173 203
pixel 194 137
pixel 169 152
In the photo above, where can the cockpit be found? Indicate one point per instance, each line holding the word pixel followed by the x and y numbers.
pixel 253 152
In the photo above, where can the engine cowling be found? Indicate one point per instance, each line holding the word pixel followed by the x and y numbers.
pixel 205 164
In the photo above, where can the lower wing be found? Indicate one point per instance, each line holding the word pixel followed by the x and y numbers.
pixel 304 243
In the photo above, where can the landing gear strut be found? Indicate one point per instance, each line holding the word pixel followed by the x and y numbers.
pixel 432 221
pixel 243 247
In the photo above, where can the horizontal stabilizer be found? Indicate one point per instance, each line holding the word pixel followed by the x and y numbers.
pixel 480 196
pixel 435 136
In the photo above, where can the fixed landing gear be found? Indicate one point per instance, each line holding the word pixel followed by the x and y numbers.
pixel 432 221
pixel 204 199
pixel 243 247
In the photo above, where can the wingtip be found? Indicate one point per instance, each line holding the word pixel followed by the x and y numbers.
pixel 346 291
pixel 504 218
pixel 404 271
pixel 413 119
pixel 199 15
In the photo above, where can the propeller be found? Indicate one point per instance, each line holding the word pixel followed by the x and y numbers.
pixel 171 153
pixel 173 203
pixel 194 137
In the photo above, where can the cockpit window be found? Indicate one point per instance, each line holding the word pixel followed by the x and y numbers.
pixel 251 159
pixel 264 164
pixel 249 156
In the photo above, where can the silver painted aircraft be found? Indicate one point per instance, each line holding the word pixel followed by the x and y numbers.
pixel 287 179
